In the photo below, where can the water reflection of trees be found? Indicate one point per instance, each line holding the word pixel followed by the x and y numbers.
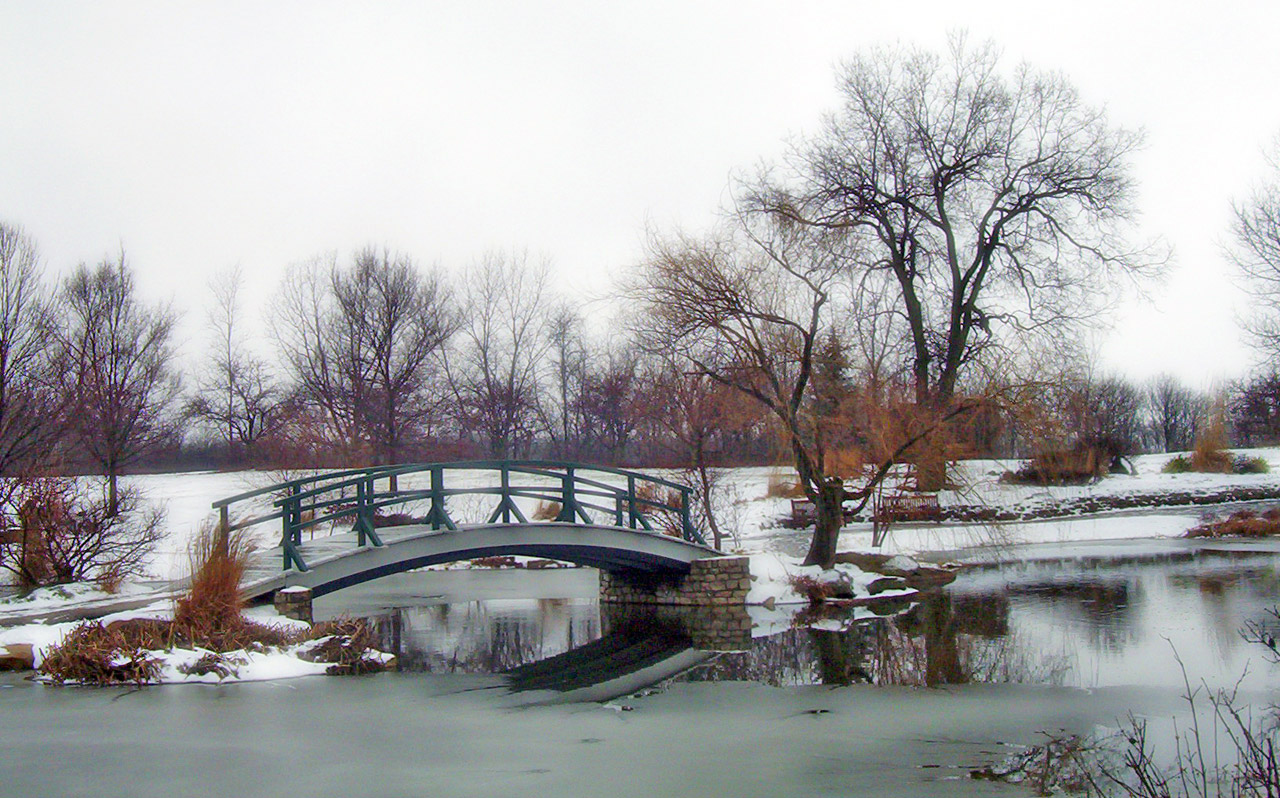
pixel 942 640
pixel 1107 609
pixel 475 638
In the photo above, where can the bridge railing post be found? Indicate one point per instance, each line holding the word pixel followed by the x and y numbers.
pixel 506 493
pixel 631 499
pixel 291 521
pixel 438 516
pixel 689 532
pixel 365 531
pixel 224 530
pixel 570 509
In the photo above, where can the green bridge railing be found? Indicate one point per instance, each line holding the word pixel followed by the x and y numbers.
pixel 625 498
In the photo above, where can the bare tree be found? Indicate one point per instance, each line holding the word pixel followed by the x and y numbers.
pixel 564 332
pixel 236 393
pixel 304 322
pixel 749 310
pixel 1255 409
pixel 992 202
pixel 362 344
pixel 1108 415
pixel 1176 412
pixel 397 322
pixel 115 361
pixel 609 405
pixel 502 344
pixel 697 413
pixel 1255 226
pixel 30 413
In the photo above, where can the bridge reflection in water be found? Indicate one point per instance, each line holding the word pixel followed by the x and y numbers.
pixel 554 651
pixel 551 651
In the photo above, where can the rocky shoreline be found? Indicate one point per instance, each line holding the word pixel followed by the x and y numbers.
pixel 1091 505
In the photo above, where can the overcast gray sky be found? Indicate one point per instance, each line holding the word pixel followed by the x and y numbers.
pixel 201 136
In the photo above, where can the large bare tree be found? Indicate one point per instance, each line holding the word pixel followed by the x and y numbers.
pixel 236 393
pixel 568 366
pixel 496 367
pixel 30 410
pixel 1255 227
pixel 362 342
pixel 996 200
pixel 115 361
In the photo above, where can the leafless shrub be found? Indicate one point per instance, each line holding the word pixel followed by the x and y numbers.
pixel 62 529
pixel 1264 633
pixel 661 506
pixel 1061 764
pixel 815 590
pixel 1223 749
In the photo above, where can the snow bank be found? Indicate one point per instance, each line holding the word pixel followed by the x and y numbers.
pixel 241 666
pixel 772 576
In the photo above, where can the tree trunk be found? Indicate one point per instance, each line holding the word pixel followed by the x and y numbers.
pixel 704 477
pixel 930 457
pixel 113 497
pixel 837 659
pixel 941 646
pixel 828 501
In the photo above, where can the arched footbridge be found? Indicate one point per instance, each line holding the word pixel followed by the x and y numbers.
pixel 341 528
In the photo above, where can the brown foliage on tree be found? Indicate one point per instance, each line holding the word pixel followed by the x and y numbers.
pixel 750 310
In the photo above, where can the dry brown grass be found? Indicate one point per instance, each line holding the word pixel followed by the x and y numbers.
pixel 210 617
pixel 120 652
pixel 209 614
pixel 1210 455
pixel 546 511
pixel 97 654
pixel 782 488
pixel 346 643
pixel 1242 523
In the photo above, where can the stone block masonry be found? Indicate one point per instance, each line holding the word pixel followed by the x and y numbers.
pixel 711 581
pixel 708 627
pixel 294 602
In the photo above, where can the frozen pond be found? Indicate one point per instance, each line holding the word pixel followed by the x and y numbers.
pixel 1068 640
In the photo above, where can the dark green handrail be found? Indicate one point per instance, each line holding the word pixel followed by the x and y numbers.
pixel 323 498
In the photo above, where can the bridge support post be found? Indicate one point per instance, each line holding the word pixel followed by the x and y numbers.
pixel 294 602
pixel 709 628
pixel 719 581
